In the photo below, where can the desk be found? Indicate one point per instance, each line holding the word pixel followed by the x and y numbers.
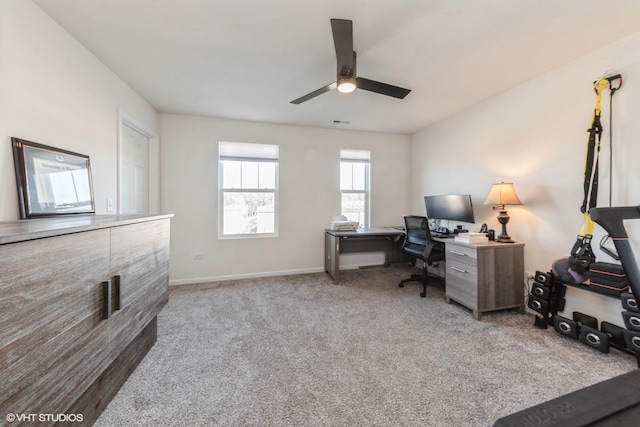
pixel 482 277
pixel 387 240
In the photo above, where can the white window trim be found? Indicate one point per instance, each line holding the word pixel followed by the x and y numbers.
pixel 222 191
pixel 359 156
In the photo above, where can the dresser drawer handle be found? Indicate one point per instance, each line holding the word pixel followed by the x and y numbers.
pixel 459 269
pixel 458 253
pixel 118 293
pixel 106 297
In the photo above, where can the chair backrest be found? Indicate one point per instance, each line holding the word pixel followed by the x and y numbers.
pixel 417 229
pixel 418 240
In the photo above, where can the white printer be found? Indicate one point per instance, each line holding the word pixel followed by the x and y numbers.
pixel 341 223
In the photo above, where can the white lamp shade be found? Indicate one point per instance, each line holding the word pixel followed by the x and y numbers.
pixel 502 194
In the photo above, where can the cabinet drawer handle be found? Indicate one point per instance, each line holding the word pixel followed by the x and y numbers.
pixel 116 282
pixel 459 269
pixel 106 296
pixel 458 253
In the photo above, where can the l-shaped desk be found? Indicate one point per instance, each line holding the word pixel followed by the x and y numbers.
pixel 482 276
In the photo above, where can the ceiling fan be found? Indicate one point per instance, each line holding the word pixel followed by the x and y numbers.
pixel 347 80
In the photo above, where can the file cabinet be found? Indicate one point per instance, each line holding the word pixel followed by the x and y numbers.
pixel 485 276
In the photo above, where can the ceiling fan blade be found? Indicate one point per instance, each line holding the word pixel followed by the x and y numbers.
pixel 382 88
pixel 343 41
pixel 315 93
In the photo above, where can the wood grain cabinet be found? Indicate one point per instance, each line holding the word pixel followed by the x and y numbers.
pixel 78 303
pixel 486 276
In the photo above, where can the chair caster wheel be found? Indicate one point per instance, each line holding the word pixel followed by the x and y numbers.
pixel 401 285
pixel 423 294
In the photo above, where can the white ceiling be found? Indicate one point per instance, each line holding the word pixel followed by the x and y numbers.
pixel 247 59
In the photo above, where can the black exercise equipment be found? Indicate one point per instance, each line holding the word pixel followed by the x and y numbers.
pixel 614 402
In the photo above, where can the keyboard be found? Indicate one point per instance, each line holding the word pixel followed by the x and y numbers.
pixel 440 235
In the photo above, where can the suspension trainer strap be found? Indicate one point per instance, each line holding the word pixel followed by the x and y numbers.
pixel 590 185
pixel 582 254
pixel 612 90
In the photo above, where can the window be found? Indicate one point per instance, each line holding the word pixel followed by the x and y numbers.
pixel 354 185
pixel 248 190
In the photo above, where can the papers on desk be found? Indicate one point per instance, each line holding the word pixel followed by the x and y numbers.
pixel 471 238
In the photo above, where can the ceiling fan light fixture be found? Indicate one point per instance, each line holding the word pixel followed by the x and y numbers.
pixel 346 84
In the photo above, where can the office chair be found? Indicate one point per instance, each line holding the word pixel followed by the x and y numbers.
pixel 418 243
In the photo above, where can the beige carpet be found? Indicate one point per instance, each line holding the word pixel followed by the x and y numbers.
pixel 300 351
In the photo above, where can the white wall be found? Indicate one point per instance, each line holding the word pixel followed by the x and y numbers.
pixel 309 194
pixel 535 136
pixel 55 92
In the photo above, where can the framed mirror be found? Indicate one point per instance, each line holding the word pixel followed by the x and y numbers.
pixel 51 181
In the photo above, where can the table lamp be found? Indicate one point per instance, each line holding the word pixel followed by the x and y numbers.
pixel 500 195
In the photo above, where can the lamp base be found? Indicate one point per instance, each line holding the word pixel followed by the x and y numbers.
pixel 504 239
pixel 503 218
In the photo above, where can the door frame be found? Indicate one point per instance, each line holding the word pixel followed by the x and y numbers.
pixel 154 161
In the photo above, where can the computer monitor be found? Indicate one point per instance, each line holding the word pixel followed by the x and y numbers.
pixel 453 207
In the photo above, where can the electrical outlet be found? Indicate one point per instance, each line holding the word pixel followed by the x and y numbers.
pixel 198 256
pixel 529 275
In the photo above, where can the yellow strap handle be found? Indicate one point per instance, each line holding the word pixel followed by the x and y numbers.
pixel 599 87
pixel 587 225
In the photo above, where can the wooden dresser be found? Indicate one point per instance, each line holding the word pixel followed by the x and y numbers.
pixel 485 276
pixel 79 297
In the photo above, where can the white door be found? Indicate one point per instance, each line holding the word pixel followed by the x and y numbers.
pixel 134 172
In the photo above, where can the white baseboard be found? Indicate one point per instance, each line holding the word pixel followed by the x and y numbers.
pixel 196 280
